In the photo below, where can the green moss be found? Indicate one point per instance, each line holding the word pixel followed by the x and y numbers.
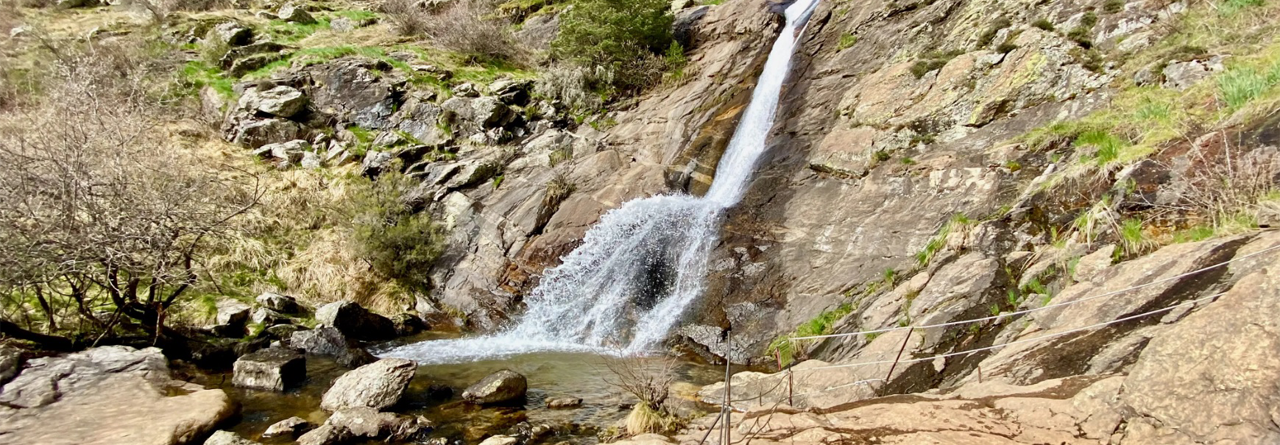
pixel 847 40
pixel 1233 7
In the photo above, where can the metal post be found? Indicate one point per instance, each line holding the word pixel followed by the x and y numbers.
pixel 899 357
pixel 728 386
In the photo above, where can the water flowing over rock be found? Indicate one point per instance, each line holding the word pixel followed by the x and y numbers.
pixel 643 264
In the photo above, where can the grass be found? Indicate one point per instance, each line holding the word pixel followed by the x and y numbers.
pixel 1133 237
pixel 291 32
pixel 823 324
pixel 1233 7
pixel 199 74
pixel 847 40
pixel 939 241
pixel 1043 24
pixel 1240 85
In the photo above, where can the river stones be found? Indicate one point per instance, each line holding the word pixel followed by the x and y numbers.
pixel 330 342
pixel 500 440
pixel 499 387
pixel 564 402
pixel 369 423
pixel 271 369
pixel 223 437
pixel 378 385
pixel 325 435
pixel 289 428
pixel 355 321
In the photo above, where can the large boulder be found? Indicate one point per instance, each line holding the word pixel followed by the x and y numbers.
pixel 271 369
pixel 369 423
pixel 232 34
pixel 292 12
pixel 351 90
pixel 277 302
pixel 282 101
pixel 107 395
pixel 232 314
pixel 290 152
pixel 222 437
pixel 355 321
pixel 500 387
pixel 330 342
pixel 378 385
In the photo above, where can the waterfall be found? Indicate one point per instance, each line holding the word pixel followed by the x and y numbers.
pixel 643 264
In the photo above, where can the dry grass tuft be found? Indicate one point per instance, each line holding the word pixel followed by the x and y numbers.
pixel 468 27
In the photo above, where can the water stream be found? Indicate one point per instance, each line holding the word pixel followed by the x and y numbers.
pixel 637 270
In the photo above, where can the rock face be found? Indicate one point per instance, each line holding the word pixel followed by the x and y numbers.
pixel 330 342
pixel 271 369
pixel 355 321
pixel 378 385
pixel 107 395
pixel 499 387
pixel 281 101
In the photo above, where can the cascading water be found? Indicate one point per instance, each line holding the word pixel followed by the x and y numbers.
pixel 641 266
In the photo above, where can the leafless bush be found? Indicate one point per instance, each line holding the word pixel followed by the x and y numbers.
pixel 98 207
pixel 465 26
pixel 651 383
pixel 1229 185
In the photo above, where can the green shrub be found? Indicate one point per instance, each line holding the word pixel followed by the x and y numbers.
pixel 624 36
pixel 1044 24
pixel 1113 6
pixel 846 40
pixel 397 242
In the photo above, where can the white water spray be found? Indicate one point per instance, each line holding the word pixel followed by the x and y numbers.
pixel 644 263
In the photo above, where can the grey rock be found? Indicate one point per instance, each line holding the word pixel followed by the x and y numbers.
pixel 234 54
pixel 328 341
pixel 277 302
pixel 247 64
pixel 287 428
pixel 268 317
pixel 256 133
pixel 10 362
pixel 1182 75
pixel 289 152
pixel 467 89
pixel 351 91
pixel 283 331
pixel 232 312
pixel 511 92
pixel 291 12
pixel 311 161
pixel 408 324
pixel 490 112
pixel 355 321
pixel 271 369
pixel 378 385
pixel 712 338
pixel 222 437
pixel 499 387
pixel 369 423
pixel 375 163
pixel 325 435
pixel 232 34
pixel 281 101
pixel 500 440
pixel 564 402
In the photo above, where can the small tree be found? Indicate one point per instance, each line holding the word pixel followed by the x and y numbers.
pixel 625 36
pixel 397 242
pixel 99 210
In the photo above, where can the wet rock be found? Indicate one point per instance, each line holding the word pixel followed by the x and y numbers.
pixel 281 101
pixel 232 34
pixel 500 440
pixel 330 342
pixel 287 428
pixel 271 369
pixel 10 362
pixel 712 338
pixel 368 423
pixel 291 12
pixel 499 387
pixel 355 321
pixel 277 302
pixel 325 435
pixel 222 437
pixel 564 402
pixel 408 324
pixel 107 395
pixel 378 385
pixel 256 133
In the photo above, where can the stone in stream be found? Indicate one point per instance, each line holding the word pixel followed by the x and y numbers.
pixel 289 428
pixel 378 385
pixel 325 435
pixel 499 387
pixel 271 369
pixel 330 342
pixel 355 321
pixel 369 423
pixel 564 402
pixel 223 437
pixel 500 440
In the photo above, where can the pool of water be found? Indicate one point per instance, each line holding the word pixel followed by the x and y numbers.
pixel 436 394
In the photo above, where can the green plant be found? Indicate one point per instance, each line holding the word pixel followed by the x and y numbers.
pixel 1240 85
pixel 676 61
pixel 988 35
pixel 847 40
pixel 957 222
pixel 623 36
pixel 1231 7
pixel 1133 238
pixel 1043 24
pixel 881 156
pixel 1006 47
pixel 907 161
pixel 397 242
pixel 1113 6
pixel 1107 147
pixel 822 324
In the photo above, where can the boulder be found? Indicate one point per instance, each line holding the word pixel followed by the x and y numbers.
pixel 232 34
pixel 247 64
pixel 283 331
pixel 268 317
pixel 1182 75
pixel 511 92
pixel 352 90
pixel 291 12
pixel 500 440
pixel 499 387
pixel 281 101
pixel 232 313
pixel 355 321
pixel 288 152
pixel 330 342
pixel 10 362
pixel 256 133
pixel 325 435
pixel 223 437
pixel 287 428
pixel 378 385
pixel 564 402
pixel 369 423
pixel 375 162
pixel 277 302
pixel 271 369
pixel 107 395
pixel 408 324
pixel 311 161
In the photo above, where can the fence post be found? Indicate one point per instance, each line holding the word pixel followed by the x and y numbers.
pixel 899 357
